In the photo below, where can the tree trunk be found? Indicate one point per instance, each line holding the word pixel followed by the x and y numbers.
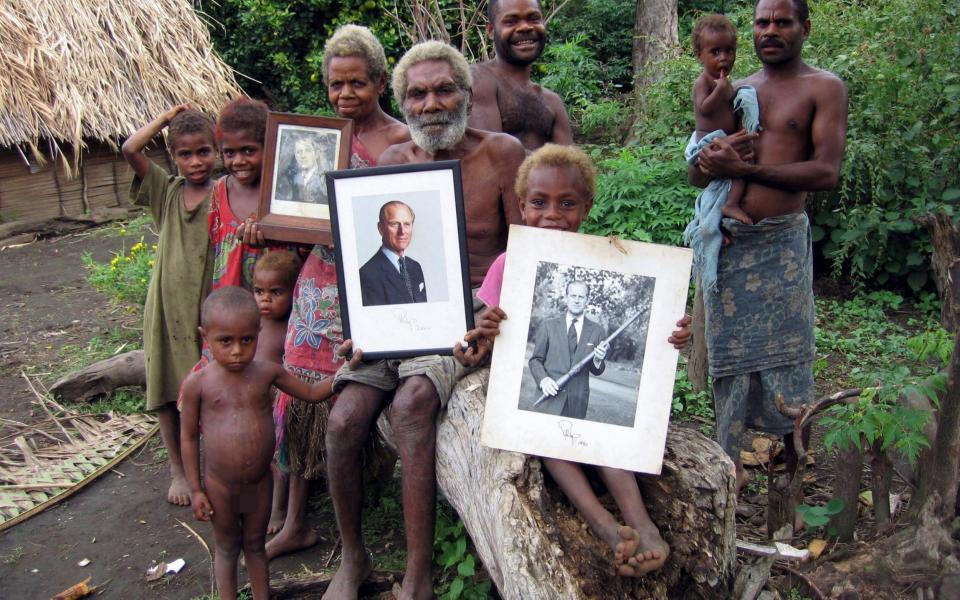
pixel 534 545
pixel 122 370
pixel 698 364
pixel 881 474
pixel 938 482
pixel 654 37
pixel 846 486
pixel 946 249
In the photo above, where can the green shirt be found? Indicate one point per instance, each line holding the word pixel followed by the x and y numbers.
pixel 182 272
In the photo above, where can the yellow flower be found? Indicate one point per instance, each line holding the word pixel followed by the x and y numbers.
pixel 154 247
pixel 150 263
pixel 123 232
pixel 142 280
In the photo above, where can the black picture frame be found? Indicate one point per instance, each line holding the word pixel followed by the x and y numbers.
pixel 384 314
pixel 294 207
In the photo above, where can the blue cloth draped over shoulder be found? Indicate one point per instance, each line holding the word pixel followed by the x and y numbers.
pixel 703 232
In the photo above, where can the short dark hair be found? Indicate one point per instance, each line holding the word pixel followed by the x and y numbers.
pixel 243 114
pixel 228 299
pixel 280 261
pixel 715 22
pixel 187 122
pixel 492 8
pixel 800 9
pixel 383 210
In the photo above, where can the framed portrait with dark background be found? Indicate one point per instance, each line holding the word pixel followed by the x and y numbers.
pixel 299 150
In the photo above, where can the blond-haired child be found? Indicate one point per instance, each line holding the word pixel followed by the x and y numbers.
pixel 555 187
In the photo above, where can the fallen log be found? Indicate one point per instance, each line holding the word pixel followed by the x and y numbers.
pixel 15 232
pixel 534 545
pixel 123 370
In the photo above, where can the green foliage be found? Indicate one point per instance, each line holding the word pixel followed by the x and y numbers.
pixel 818 516
pixel 605 27
pixel 572 71
pixel 642 194
pixel 898 59
pixel 278 44
pixel 457 564
pixel 125 278
pixel 688 403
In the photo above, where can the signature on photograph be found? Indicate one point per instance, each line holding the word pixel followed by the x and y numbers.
pixel 566 429
pixel 404 319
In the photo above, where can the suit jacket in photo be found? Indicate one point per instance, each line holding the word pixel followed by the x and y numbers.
pixel 551 358
pixel 381 283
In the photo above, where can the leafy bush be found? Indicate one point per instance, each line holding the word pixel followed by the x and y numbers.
pixel 642 194
pixel 125 278
pixel 458 565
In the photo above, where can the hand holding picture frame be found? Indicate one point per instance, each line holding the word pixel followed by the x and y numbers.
pixel 402 265
pixel 582 369
pixel 299 150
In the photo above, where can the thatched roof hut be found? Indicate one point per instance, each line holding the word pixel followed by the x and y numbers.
pixel 78 76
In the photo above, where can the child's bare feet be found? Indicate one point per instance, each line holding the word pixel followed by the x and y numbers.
pixel 277 517
pixel 640 551
pixel 733 211
pixel 352 572
pixel 290 540
pixel 179 491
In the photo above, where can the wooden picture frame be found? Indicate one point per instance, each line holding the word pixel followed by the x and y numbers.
pixel 614 413
pixel 427 307
pixel 299 149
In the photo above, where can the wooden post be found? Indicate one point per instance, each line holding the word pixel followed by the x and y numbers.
pixel 846 486
pixel 698 364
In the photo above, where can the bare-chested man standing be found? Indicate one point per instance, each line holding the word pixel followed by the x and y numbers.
pixel 432 84
pixel 504 98
pixel 760 321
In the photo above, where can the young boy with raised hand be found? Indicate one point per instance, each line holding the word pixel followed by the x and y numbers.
pixel 230 398
pixel 555 187
pixel 182 269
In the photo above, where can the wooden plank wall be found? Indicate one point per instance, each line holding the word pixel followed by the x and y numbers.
pixel 39 192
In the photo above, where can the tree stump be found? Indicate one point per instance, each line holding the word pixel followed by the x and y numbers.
pixel 122 370
pixel 534 545
pixel 698 364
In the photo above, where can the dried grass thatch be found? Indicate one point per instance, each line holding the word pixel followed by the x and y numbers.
pixel 43 463
pixel 101 68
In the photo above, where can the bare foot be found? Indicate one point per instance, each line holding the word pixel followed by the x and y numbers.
pixel 277 517
pixel 640 552
pixel 346 582
pixel 179 492
pixel 290 540
pixel 733 211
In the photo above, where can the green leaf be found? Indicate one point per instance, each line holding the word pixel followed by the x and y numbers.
pixel 456 588
pixel 951 194
pixel 467 567
pixel 916 280
pixel 834 506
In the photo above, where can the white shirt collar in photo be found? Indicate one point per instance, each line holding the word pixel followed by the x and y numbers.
pixel 392 256
pixel 578 326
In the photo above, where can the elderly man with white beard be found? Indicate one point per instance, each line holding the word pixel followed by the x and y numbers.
pixel 432 85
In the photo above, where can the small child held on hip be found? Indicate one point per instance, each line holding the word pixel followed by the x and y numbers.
pixel 231 398
pixel 274 277
pixel 555 187
pixel 715 46
pixel 236 239
pixel 181 271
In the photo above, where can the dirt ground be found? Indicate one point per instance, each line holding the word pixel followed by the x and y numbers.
pixel 121 522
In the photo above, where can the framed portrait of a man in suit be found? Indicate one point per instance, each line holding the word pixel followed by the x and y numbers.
pixel 582 369
pixel 400 240
pixel 298 151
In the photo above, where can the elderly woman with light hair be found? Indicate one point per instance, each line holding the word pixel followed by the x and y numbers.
pixel 355 72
